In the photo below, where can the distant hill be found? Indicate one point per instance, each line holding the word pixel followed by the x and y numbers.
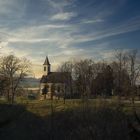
pixel 30 82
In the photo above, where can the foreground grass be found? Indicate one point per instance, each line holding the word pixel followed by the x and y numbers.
pixel 75 120
pixel 44 107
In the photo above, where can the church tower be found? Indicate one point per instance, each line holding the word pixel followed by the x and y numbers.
pixel 46 67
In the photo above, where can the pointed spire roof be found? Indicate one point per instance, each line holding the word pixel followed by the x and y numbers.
pixel 46 61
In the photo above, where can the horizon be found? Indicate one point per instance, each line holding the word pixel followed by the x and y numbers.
pixel 68 29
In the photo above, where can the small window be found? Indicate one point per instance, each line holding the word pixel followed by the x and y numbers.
pixel 58 89
pixel 44 68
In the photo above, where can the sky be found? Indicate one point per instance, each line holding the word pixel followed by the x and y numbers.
pixel 68 29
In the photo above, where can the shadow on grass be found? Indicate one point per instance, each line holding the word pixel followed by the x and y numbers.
pixel 16 123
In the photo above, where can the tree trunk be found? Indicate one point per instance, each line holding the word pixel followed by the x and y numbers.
pixel 8 96
pixel 51 96
pixel 13 97
pixel 44 96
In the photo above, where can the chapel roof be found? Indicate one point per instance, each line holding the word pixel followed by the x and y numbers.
pixel 56 77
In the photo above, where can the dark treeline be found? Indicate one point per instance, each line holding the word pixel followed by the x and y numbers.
pixel 117 77
pixel 120 76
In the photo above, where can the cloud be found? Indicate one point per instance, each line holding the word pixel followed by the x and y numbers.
pixel 122 28
pixel 59 6
pixel 59 10
pixel 8 50
pixel 34 34
pixel 11 9
pixel 3 44
pixel 63 16
pixel 86 21
pixel 31 40
pixel 66 35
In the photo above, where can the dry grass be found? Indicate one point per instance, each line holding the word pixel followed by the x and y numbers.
pixel 75 120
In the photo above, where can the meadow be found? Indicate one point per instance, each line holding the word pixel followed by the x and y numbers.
pixel 77 119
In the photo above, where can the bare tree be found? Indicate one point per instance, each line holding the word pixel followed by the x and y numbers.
pixel 134 71
pixel 4 82
pixel 67 67
pixel 14 70
pixel 84 74
pixel 120 70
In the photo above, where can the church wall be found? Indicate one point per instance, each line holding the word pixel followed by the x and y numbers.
pixel 59 89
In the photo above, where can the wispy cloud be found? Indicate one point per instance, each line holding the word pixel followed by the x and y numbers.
pixel 59 6
pixel 92 21
pixel 60 12
pixel 124 27
pixel 65 35
pixel 63 16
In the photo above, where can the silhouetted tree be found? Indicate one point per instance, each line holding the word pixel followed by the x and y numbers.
pixel 103 83
pixel 4 83
pixel 68 68
pixel 120 70
pixel 133 69
pixel 84 75
pixel 108 80
pixel 14 70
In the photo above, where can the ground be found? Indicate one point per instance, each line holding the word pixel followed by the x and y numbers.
pixel 76 119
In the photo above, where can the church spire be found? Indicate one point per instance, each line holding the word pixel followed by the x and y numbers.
pixel 46 66
pixel 46 61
